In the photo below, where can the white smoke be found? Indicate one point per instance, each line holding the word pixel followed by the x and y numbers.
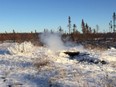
pixel 52 40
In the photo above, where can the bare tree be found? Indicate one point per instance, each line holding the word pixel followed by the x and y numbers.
pixel 114 19
pixel 97 28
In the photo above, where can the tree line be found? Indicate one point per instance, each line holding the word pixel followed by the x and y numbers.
pixel 87 33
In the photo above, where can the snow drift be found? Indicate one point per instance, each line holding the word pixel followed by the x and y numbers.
pixel 48 68
pixel 21 48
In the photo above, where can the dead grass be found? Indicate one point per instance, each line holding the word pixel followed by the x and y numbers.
pixel 41 63
pixel 94 47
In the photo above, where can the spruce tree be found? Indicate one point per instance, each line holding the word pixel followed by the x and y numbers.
pixel 83 27
pixel 69 24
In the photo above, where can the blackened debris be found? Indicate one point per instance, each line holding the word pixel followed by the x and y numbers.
pixel 72 54
pixel 84 57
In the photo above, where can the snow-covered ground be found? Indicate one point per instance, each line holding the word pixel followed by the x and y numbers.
pixel 25 65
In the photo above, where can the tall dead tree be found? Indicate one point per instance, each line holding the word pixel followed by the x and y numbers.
pixel 114 19
pixel 97 28
pixel 110 26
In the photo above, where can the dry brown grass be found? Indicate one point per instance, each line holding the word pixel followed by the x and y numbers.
pixel 41 63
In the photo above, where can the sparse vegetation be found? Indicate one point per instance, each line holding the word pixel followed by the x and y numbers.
pixel 41 63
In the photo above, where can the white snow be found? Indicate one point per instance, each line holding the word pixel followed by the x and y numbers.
pixel 109 55
pixel 24 65
pixel 20 49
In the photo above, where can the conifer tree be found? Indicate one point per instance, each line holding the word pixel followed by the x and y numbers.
pixel 74 28
pixel 83 27
pixel 86 28
pixel 69 24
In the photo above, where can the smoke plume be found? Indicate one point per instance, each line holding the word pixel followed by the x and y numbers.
pixel 52 40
